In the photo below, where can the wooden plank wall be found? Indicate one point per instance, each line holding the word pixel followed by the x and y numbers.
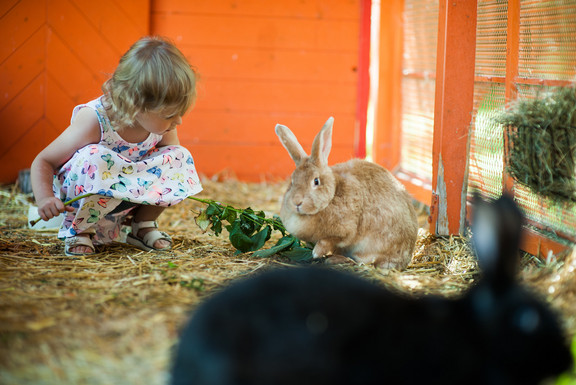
pixel 264 62
pixel 54 55
pixel 261 62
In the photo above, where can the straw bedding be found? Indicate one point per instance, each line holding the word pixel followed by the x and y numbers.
pixel 114 317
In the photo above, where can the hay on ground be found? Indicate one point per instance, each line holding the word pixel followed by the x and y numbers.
pixel 114 317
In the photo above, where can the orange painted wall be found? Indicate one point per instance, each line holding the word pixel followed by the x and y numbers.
pixel 54 55
pixel 264 62
pixel 261 62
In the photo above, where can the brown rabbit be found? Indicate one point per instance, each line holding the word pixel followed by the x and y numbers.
pixel 355 209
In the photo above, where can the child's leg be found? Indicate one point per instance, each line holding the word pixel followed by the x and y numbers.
pixel 149 213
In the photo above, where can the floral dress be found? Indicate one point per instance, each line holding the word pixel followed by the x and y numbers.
pixel 117 171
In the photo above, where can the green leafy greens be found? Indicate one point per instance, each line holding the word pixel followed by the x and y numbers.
pixel 249 230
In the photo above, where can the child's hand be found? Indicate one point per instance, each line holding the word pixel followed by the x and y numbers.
pixel 51 207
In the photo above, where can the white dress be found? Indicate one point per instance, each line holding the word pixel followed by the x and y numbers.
pixel 117 171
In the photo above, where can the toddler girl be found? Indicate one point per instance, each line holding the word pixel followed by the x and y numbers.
pixel 123 147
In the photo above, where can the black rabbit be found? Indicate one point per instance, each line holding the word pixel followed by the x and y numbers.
pixel 318 326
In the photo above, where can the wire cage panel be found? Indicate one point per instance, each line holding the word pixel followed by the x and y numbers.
pixel 555 217
pixel 491 38
pixel 546 56
pixel 547 40
pixel 486 161
pixel 417 126
pixel 420 36
pixel 418 87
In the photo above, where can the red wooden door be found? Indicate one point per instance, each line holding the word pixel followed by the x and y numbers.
pixel 265 62
pixel 56 54
pixel 261 63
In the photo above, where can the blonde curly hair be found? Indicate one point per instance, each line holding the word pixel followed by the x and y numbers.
pixel 152 75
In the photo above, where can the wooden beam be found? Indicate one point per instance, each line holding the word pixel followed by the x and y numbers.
pixel 363 79
pixel 387 130
pixel 452 115
pixel 539 245
pixel 510 88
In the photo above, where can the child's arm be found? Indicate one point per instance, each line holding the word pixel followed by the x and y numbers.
pixel 84 130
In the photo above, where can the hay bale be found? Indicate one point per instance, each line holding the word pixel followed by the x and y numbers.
pixel 541 145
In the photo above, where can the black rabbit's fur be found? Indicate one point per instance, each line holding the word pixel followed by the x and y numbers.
pixel 316 326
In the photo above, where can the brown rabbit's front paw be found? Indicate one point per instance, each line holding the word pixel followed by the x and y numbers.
pixel 338 260
pixel 322 249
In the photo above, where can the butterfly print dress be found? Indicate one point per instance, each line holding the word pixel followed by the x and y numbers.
pixel 118 171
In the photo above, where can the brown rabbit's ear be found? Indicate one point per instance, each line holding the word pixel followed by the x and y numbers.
pixel 290 143
pixel 322 144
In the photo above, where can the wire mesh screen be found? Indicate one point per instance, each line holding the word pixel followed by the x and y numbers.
pixel 486 162
pixel 547 52
pixel 548 40
pixel 491 38
pixel 418 86
pixel 487 140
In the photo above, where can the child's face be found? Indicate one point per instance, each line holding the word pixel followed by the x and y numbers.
pixel 159 122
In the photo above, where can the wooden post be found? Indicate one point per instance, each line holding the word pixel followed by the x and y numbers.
pixel 452 115
pixel 363 79
pixel 510 88
pixel 387 130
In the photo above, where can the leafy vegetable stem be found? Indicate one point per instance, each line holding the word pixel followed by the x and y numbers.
pixel 248 230
pixel 273 222
pixel 35 221
pixel 77 198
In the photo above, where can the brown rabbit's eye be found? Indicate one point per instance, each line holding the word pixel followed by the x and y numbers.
pixel 316 182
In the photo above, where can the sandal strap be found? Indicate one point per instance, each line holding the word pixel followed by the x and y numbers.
pixel 136 226
pixel 79 240
pixel 152 236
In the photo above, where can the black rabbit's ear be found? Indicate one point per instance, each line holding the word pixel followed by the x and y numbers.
pixel 496 231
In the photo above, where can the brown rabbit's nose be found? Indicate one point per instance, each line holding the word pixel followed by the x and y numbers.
pixel 298 205
pixel 297 202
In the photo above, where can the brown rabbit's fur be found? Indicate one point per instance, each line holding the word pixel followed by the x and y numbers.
pixel 357 209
